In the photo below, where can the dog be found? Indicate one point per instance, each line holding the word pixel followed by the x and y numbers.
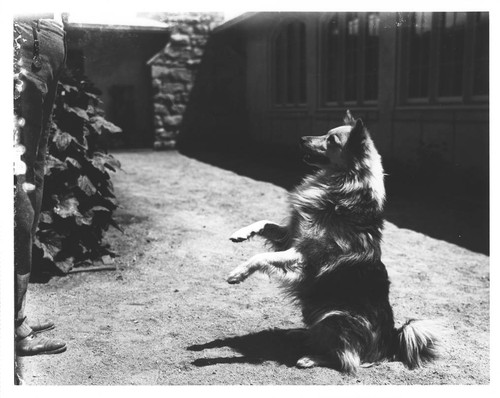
pixel 327 257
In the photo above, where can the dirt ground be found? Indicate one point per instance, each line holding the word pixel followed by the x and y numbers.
pixel 166 316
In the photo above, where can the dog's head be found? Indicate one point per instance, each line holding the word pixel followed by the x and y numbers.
pixel 340 147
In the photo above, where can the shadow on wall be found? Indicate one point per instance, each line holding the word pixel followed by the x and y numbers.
pixel 216 106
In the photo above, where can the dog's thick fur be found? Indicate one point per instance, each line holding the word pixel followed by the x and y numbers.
pixel 328 258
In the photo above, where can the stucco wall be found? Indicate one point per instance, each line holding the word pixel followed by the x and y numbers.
pixel 115 61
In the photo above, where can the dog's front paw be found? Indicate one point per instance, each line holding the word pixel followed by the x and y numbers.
pixel 237 275
pixel 241 235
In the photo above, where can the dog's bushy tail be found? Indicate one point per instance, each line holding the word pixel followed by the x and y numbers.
pixel 418 342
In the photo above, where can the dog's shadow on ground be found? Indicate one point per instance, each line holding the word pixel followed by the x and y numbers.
pixel 284 346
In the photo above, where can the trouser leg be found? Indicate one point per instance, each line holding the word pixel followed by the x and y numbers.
pixel 28 204
pixel 30 108
pixel 43 42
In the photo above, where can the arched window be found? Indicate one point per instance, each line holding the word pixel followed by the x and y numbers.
pixel 351 69
pixel 419 51
pixel 290 64
pixel 333 78
pixel 371 55
pixel 352 44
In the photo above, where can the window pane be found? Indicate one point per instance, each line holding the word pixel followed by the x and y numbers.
pixel 290 64
pixel 481 53
pixel 351 56
pixel 332 61
pixel 280 70
pixel 371 55
pixel 419 54
pixel 302 63
pixel 451 53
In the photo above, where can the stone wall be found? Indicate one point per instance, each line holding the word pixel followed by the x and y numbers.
pixel 173 71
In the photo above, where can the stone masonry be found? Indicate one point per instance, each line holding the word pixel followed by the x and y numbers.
pixel 173 71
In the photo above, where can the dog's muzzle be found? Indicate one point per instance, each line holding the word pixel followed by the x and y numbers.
pixel 312 155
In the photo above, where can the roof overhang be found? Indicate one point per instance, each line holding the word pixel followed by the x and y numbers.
pixel 115 22
pixel 234 21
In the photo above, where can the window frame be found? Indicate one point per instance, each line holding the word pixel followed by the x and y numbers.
pixel 473 33
pixel 299 66
pixel 436 36
pixel 361 64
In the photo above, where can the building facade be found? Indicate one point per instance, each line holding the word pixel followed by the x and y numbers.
pixel 114 57
pixel 420 81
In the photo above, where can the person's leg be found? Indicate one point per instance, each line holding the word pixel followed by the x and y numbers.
pixel 38 169
pixel 27 343
pixel 30 108
pixel 42 55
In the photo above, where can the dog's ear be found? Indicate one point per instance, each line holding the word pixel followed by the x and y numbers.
pixel 359 125
pixel 348 119
pixel 358 136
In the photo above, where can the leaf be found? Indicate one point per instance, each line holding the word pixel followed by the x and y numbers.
pixel 86 185
pixel 89 216
pixel 100 208
pixel 82 143
pixel 116 225
pixel 85 219
pixel 46 218
pixel 103 161
pixel 65 265
pixel 100 124
pixel 98 163
pixel 67 208
pixel 112 200
pixel 73 162
pixel 112 163
pixel 53 164
pixel 77 111
pixel 106 160
pixel 62 140
pixel 69 88
pixel 107 259
pixel 48 251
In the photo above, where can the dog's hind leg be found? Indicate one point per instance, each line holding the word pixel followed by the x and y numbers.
pixel 267 229
pixel 347 361
pixel 335 340
pixel 310 361
pixel 285 264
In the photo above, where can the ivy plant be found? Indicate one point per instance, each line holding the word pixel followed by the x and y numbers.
pixel 78 200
